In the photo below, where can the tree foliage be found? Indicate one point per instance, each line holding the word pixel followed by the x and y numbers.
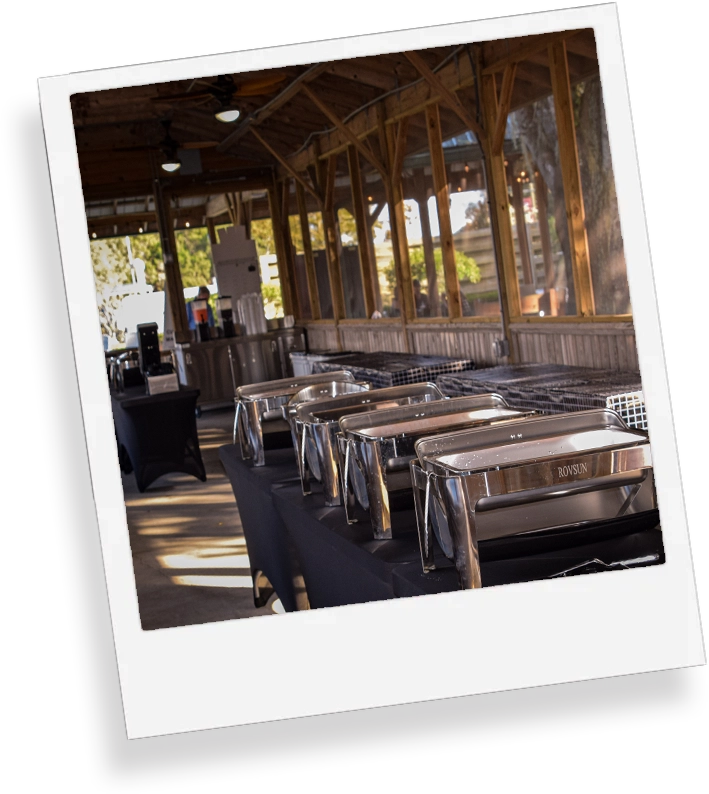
pixel 467 267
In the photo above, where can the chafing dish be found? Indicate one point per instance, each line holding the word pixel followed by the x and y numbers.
pixel 318 391
pixel 262 402
pixel 544 475
pixel 376 448
pixel 318 424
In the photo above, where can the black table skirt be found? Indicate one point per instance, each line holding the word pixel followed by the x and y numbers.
pixel 157 434
pixel 342 564
pixel 267 540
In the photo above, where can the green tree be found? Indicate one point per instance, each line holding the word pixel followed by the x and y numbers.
pixel 262 235
pixel 478 214
pixel 467 267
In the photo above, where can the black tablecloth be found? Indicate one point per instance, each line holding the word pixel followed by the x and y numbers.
pixel 157 434
pixel 342 563
pixel 267 540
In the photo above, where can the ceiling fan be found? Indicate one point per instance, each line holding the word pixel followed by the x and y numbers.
pixel 224 92
pixel 168 147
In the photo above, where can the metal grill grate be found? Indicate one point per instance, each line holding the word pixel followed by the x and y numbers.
pixel 553 388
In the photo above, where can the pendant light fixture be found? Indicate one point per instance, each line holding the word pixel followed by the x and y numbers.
pixel 223 91
pixel 170 160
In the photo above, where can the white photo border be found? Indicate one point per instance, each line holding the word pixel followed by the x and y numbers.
pixel 415 649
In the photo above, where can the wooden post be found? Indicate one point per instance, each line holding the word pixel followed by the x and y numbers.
pixel 371 220
pixel 429 254
pixel 332 240
pixel 571 177
pixel 248 212
pixel 313 293
pixel 440 187
pixel 275 208
pixel 213 239
pixel 173 277
pixel 521 224
pixel 540 194
pixel 395 199
pixel 289 249
pixel 360 215
pixel 499 206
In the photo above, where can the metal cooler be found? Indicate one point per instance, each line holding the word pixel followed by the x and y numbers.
pixel 541 475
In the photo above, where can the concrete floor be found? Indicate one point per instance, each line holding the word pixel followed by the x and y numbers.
pixel 189 553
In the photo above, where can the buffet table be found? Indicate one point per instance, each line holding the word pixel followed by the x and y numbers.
pixel 157 434
pixel 290 536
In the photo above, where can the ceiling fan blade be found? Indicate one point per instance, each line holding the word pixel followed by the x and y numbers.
pixel 186 97
pixel 199 144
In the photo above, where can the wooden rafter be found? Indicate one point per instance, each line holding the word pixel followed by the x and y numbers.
pixel 446 94
pixel 364 150
pixel 284 163
pixel 527 46
pixel 277 102
pixel 503 107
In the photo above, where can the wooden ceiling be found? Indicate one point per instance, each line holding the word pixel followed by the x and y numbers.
pixel 119 132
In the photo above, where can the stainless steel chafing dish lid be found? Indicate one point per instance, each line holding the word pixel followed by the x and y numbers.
pixel 526 440
pixel 286 387
pixel 324 411
pixel 323 391
pixel 407 421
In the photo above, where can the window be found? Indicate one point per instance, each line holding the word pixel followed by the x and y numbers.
pixel 605 242
pixel 538 211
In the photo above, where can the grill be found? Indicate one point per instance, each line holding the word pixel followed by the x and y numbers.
pixel 541 475
pixel 376 449
pixel 394 369
pixel 318 425
pixel 555 388
pixel 262 402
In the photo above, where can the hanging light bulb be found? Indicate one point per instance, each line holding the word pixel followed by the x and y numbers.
pixel 140 230
pixel 93 235
pixel 227 114
pixel 187 224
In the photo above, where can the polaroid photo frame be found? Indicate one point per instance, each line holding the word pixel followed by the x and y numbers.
pixel 405 650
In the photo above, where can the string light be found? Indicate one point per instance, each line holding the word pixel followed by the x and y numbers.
pixel 187 225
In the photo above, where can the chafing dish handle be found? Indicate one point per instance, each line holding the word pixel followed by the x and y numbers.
pixel 421 480
pixel 236 420
pixel 635 479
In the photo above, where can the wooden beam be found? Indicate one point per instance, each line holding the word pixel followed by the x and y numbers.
pixel 329 186
pixel 290 251
pixel 500 212
pixel 429 254
pixel 271 107
pixel 325 173
pixel 571 177
pixel 450 99
pixel 276 223
pixel 310 272
pixel 503 108
pixel 410 100
pixel 400 148
pixel 440 187
pixel 528 45
pixel 367 266
pixel 211 230
pixel 365 151
pixel 283 162
pixel 173 277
